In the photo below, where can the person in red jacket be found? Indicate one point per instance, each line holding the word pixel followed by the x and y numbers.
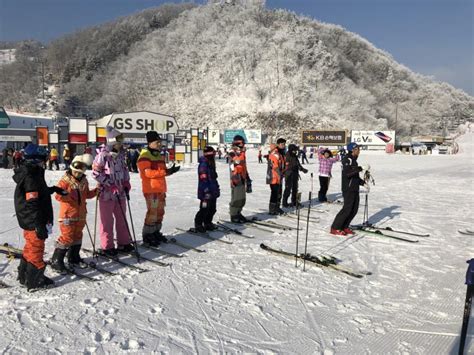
pixel 72 213
pixel 275 170
pixel 34 212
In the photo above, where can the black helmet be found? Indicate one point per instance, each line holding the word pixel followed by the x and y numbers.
pixel 209 151
pixel 238 141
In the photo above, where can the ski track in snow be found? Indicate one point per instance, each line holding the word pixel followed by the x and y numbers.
pixel 240 299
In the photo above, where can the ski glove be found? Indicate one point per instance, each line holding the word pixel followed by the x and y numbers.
pixel 114 189
pixel 127 187
pixel 249 186
pixel 41 232
pixel 58 190
pixel 304 170
pixel 172 170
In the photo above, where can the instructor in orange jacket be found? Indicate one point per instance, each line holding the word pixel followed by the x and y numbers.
pixel 152 167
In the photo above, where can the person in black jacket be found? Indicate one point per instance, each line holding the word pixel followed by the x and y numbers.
pixel 293 167
pixel 34 212
pixel 350 191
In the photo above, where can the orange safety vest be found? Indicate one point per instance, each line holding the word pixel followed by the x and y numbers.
pixel 238 168
pixel 276 167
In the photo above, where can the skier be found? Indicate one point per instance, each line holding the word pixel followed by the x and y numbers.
pixel 152 167
pixel 34 212
pixel 208 191
pixel 66 157
pixel 326 160
pixel 350 191
pixel 303 156
pixel 292 169
pixel 275 168
pixel 111 173
pixel 240 181
pixel 72 213
pixel 53 158
pixel 260 155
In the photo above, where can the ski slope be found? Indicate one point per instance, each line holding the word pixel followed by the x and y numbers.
pixel 240 299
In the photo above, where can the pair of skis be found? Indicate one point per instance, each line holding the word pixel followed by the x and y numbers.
pixel 320 261
pixel 382 231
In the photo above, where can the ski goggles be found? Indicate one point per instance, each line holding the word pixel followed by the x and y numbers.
pixel 79 166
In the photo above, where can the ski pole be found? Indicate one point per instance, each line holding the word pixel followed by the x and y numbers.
pixel 131 222
pixel 128 228
pixel 467 305
pixel 95 222
pixel 307 230
pixel 298 198
pixel 311 187
pixel 90 237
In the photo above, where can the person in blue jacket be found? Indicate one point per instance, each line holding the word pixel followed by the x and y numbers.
pixel 208 191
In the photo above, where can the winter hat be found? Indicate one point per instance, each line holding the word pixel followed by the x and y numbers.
pixel 209 151
pixel 81 162
pixel 238 141
pixel 351 146
pixel 152 136
pixel 281 140
pixel 113 136
pixel 35 153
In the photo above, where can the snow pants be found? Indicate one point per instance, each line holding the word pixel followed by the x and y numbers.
pixel 155 208
pixel 324 186
pixel 71 234
pixel 33 250
pixel 237 199
pixel 110 211
pixel 348 212
pixel 275 194
pixel 205 214
pixel 291 187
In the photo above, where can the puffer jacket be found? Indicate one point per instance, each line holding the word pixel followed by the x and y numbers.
pixel 71 209
pixel 109 169
pixel 32 199
pixel 208 187
pixel 152 167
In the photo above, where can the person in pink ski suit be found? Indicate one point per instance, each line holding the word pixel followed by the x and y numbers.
pixel 111 172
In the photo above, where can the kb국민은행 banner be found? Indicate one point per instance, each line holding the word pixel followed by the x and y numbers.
pixel 317 137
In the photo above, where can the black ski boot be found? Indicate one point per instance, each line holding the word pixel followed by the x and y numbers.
pixel 111 253
pixel 160 237
pixel 242 218
pixel 57 260
pixel 150 240
pixel 127 248
pixel 35 278
pixel 210 226
pixel 272 208
pixel 198 229
pixel 22 271
pixel 74 257
pixel 236 219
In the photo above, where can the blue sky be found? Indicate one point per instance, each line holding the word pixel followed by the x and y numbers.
pixel 432 37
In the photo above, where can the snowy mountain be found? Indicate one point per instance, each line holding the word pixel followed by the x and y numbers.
pixel 233 64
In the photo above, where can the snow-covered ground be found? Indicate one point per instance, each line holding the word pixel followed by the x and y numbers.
pixel 240 299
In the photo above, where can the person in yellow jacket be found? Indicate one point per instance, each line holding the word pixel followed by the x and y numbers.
pixel 53 158
pixel 153 170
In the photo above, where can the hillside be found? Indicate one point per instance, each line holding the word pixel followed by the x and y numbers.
pixel 245 66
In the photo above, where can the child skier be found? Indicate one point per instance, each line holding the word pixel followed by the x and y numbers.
pixel 326 160
pixel 240 181
pixel 292 169
pixel 275 168
pixel 208 191
pixel 152 167
pixel 72 213
pixel 34 212
pixel 111 172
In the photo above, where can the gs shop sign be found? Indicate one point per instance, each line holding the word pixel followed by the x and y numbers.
pixel 142 122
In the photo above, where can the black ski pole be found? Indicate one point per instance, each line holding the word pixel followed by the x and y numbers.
pixel 131 222
pixel 467 305
pixel 128 228
pixel 92 241
pixel 307 231
pixel 298 199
